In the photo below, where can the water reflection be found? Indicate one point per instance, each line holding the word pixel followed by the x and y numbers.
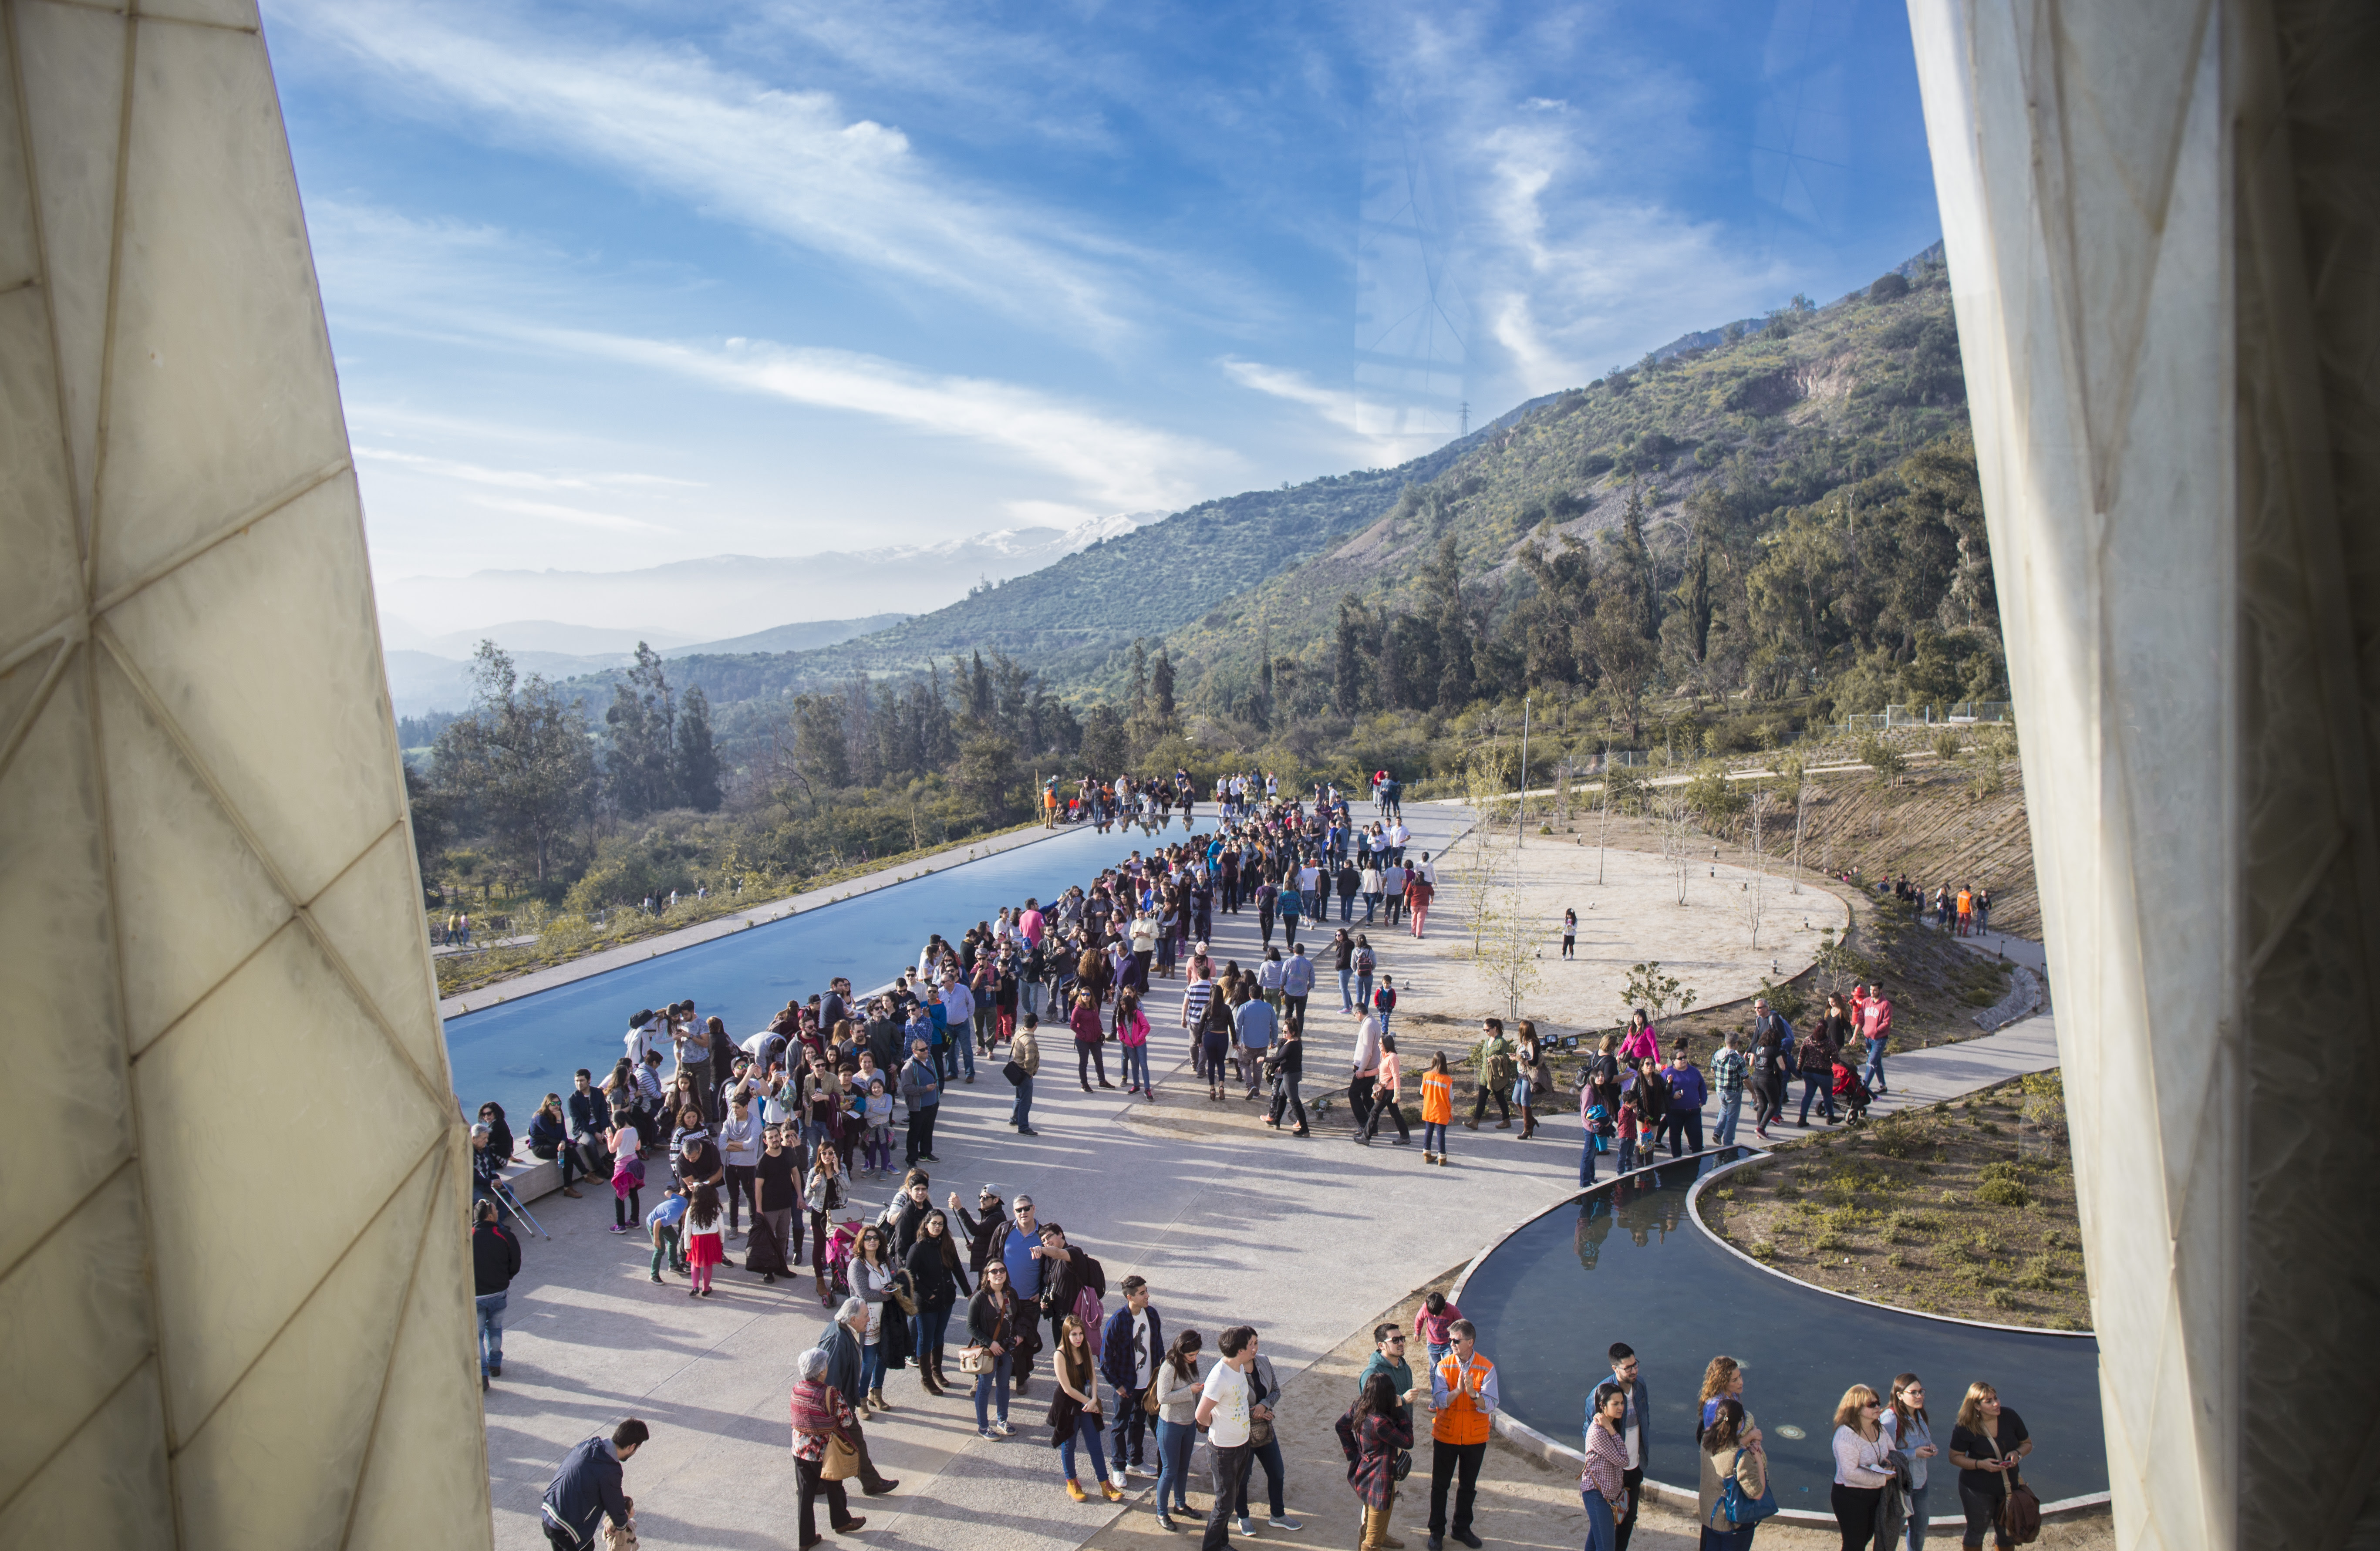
pixel 1548 1312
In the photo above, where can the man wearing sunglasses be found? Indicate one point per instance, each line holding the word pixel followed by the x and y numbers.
pixel 1389 1357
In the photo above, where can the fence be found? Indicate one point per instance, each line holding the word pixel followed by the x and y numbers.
pixel 1961 712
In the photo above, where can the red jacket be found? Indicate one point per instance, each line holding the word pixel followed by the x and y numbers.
pixel 1085 1022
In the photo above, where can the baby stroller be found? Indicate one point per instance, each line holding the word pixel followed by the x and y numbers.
pixel 1852 1091
pixel 842 1244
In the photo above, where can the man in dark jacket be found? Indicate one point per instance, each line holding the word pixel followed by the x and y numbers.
pixel 1066 1271
pixel 842 1345
pixel 1130 1348
pixel 883 1035
pixel 985 1232
pixel 496 1261
pixel 587 1488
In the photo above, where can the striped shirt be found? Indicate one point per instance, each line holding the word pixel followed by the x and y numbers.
pixel 1195 1002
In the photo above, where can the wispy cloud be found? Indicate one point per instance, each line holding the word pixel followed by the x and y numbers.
pixel 515 479
pixel 1382 432
pixel 790 163
pixel 612 522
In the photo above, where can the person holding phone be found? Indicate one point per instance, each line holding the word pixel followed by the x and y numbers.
pixel 1985 1447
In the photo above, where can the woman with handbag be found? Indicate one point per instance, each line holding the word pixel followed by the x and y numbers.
pixel 1985 1447
pixel 938 1279
pixel 871 1281
pixel 822 1197
pixel 1730 1452
pixel 1174 1397
pixel 1376 1437
pixel 1603 1484
pixel 1074 1410
pixel 990 1348
pixel 825 1454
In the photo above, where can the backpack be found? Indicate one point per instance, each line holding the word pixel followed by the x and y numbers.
pixel 1365 960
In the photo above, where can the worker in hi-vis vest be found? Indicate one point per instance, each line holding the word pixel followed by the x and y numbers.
pixel 1463 1388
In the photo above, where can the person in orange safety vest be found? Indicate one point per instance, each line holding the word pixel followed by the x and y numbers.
pixel 1463 1389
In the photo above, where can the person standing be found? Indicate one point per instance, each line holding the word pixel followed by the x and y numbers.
pixel 1226 1407
pixel 1254 1027
pixel 1862 1465
pixel 1020 1251
pixel 1627 1377
pixel 1985 1447
pixel 1876 1029
pixel 496 1261
pixel 1389 1357
pixel 1437 1108
pixel 1363 1075
pixel 1386 1097
pixel 665 1224
pixel 1090 1040
pixel 739 1151
pixel 1682 1121
pixel 1496 1075
pixel 1462 1392
pixel 1731 1451
pixel 1912 1431
pixel 1131 1348
pixel 1817 1059
pixel 820 1414
pixel 587 1489
pixel 1772 1049
pixel 1418 890
pixel 1570 934
pixel 1593 1125
pixel 1602 1485
pixel 1730 1073
pixel 1025 1053
pixel 991 1335
pixel 705 1224
pixel 1297 985
pixel 1375 1430
pixel 775 1249
pixel 847 1365
pixel 921 1091
pixel 1264 1448
pixel 1132 1041
pixel 1074 1414
pixel 1177 1391
pixel 938 1280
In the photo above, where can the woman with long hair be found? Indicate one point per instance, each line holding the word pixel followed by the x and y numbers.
pixel 938 1277
pixel 1603 1484
pixel 627 1169
pixel 1373 1433
pixel 1986 1446
pixel 1912 1431
pixel 821 1197
pixel 704 1224
pixel 1722 1379
pixel 1731 1451
pixel 1075 1411
pixel 1177 1391
pixel 1862 1465
pixel 991 1335
pixel 871 1281
pixel 1132 1036
pixel 1437 1107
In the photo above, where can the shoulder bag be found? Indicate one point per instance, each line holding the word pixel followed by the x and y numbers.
pixel 1743 1512
pixel 2020 1515
pixel 841 1460
pixel 1260 1427
pixel 975 1360
pixel 904 1292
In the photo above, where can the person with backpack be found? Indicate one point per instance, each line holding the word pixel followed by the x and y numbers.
pixel 1072 1282
pixel 1384 1000
pixel 1734 1477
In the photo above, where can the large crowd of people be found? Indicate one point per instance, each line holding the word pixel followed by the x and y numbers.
pixel 761 1145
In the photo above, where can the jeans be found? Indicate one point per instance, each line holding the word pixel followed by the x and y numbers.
pixel 1600 1533
pixel 492 1331
pixel 1346 990
pixel 1228 1473
pixel 1683 1126
pixel 1874 1074
pixel 1385 1107
pixel 927 1327
pixel 946 1061
pixel 1087 1431
pixel 1021 1115
pixel 1628 1159
pixel 1730 1104
pixel 1445 1460
pixel 1586 1161
pixel 1285 1092
pixel 1433 1138
pixel 1346 907
pixel 1816 1088
pixel 1086 1056
pixel 1917 1517
pixel 1136 1066
pixel 1293 1009
pixel 668 1250
pixel 1371 904
pixel 871 1366
pixel 1268 1454
pixel 1982 1511
pixel 1174 1442
pixel 1127 1429
pixel 966 1054
pixel 1289 931
pixel 991 1389
pixel 1364 996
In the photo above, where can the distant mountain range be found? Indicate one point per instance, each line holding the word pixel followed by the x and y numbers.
pixel 684 602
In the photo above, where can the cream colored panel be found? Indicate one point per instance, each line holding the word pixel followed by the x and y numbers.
pixel 304 1413
pixel 436 1374
pixel 73 1324
pixel 373 904
pixel 222 395
pixel 192 899
pixel 214 13
pixel 343 1124
pixel 58 981
pixel 73 95
pixel 41 579
pixel 106 1487
pixel 252 636
pixel 19 261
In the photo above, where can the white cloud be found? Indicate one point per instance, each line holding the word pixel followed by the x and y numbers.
pixel 1383 433
pixel 790 163
pixel 515 478
pixel 578 516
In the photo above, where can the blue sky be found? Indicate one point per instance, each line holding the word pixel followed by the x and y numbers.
pixel 616 284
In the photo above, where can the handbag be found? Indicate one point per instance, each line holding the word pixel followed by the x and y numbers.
pixel 1015 1073
pixel 975 1360
pixel 841 1461
pixel 620 1537
pixel 903 1292
pixel 2020 1515
pixel 1148 1400
pixel 1741 1513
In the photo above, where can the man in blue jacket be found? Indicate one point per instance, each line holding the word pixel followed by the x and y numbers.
pixel 1688 1094
pixel 1130 1348
pixel 587 1488
pixel 1296 984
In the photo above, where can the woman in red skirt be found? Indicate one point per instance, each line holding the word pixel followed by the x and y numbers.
pixel 704 1222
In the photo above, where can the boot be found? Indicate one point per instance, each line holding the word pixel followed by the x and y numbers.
pixel 875 1400
pixel 926 1378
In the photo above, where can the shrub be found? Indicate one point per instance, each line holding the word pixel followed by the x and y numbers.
pixel 1900 1134
pixel 2001 1298
pixel 2037 1276
pixel 1762 1249
pixel 1788 1191
pixel 1896 1258
pixel 2003 1193
pixel 1827 1238
pixel 1986 1127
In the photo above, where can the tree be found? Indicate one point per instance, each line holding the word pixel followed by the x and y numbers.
pixel 821 749
pixel 518 760
pixel 1160 688
pixel 1105 753
pixel 698 762
pixel 1656 992
pixel 1627 615
pixel 638 774
pixel 987 770
pixel 1443 578
pixel 1347 657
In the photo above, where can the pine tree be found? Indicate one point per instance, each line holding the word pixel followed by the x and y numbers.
pixel 1347 665
pixel 696 770
pixel 1161 688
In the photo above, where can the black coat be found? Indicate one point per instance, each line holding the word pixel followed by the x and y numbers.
pixel 495 1258
pixel 939 1283
pixel 1080 1270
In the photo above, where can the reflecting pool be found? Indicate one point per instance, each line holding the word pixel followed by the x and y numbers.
pixel 1625 1262
pixel 516 1052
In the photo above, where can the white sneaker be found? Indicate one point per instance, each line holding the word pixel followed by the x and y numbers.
pixel 1115 1479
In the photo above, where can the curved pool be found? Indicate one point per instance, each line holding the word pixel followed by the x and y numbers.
pixel 1627 1262
pixel 517 1052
